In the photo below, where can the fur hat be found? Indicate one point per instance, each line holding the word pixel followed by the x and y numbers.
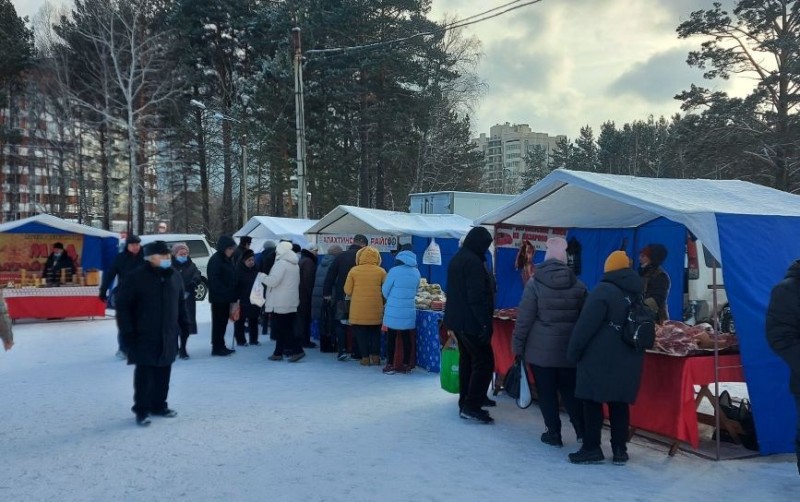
pixel 156 247
pixel 133 239
pixel 556 249
pixel 617 261
pixel 283 248
pixel 178 246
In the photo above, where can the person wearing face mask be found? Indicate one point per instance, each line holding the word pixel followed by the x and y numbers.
pixel 246 273
pixel 56 262
pixel 152 312
pixel 191 277
pixel 221 292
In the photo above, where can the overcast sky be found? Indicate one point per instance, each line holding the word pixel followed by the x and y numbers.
pixel 561 64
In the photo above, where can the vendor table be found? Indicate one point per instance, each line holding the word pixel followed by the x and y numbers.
pixel 429 349
pixel 54 303
pixel 666 403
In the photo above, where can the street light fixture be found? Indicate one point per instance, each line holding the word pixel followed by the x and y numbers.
pixel 243 143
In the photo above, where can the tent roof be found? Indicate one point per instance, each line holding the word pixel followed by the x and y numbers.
pixel 58 223
pixel 573 199
pixel 273 227
pixel 351 220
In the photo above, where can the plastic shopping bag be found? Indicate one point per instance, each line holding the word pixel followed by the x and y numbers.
pixel 257 291
pixel 524 400
pixel 516 384
pixel 448 372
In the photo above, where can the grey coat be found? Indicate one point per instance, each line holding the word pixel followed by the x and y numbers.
pixel 550 306
pixel 609 370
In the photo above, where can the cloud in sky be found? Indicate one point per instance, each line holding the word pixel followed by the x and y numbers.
pixel 561 65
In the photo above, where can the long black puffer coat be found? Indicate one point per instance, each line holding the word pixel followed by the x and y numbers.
pixel 323 265
pixel 245 277
pixel 151 313
pixel 609 370
pixel 550 306
pixel 470 288
pixel 783 323
pixel 222 274
pixel 191 278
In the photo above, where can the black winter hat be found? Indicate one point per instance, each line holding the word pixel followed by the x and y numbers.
pixel 245 239
pixel 224 242
pixel 248 253
pixel 360 239
pixel 133 239
pixel 157 247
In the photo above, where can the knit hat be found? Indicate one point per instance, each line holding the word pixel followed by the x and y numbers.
pixel 269 245
pixel 133 239
pixel 556 249
pixel 335 249
pixel 157 247
pixel 248 253
pixel 58 245
pixel 657 253
pixel 617 261
pixel 178 246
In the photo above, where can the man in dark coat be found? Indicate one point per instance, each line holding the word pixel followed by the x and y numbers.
pixel 320 308
pixel 221 293
pixel 308 271
pixel 244 245
pixel 655 280
pixel 152 312
pixel 550 306
pixel 246 274
pixel 56 262
pixel 783 333
pixel 129 259
pixel 468 313
pixel 333 290
pixel 609 370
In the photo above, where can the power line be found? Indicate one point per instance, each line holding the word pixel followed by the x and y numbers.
pixel 474 19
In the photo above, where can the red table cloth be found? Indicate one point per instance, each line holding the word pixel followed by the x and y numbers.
pixel 501 345
pixel 51 303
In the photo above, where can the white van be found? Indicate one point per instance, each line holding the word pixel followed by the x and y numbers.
pixel 699 287
pixel 199 250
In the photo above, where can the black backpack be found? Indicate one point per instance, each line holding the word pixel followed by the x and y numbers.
pixel 639 328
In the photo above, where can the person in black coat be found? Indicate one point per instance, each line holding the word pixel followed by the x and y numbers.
pixel 129 259
pixel 333 290
pixel 608 369
pixel 152 312
pixel 221 293
pixel 320 308
pixel 655 280
pixel 56 262
pixel 468 313
pixel 246 274
pixel 308 271
pixel 244 245
pixel 191 277
pixel 783 333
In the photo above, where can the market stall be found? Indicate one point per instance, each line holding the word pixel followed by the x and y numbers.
pixel 24 248
pixel 740 223
pixel 387 230
pixel 263 228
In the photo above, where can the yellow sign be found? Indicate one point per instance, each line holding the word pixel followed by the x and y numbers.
pixel 30 251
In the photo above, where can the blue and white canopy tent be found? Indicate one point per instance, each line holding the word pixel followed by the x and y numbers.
pixel 99 249
pixel 750 229
pixel 263 228
pixel 343 222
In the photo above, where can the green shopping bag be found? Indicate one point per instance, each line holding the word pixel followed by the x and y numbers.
pixel 448 371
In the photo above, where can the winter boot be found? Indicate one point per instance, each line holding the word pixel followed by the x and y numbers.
pixel 587 456
pixel 182 353
pixel 365 361
pixel 389 370
pixel 142 420
pixel 478 415
pixel 620 454
pixel 552 438
pixel 375 360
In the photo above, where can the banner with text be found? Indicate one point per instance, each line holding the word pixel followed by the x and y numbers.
pixel 30 251
pixel 384 243
pixel 513 237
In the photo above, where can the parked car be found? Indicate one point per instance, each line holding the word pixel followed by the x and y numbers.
pixel 199 250
pixel 700 285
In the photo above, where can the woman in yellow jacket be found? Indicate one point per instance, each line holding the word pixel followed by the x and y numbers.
pixel 363 286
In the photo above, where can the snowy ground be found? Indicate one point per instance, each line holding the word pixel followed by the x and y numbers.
pixel 318 430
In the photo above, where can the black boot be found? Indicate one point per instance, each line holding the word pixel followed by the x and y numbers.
pixel 182 353
pixel 620 454
pixel 552 438
pixel 587 456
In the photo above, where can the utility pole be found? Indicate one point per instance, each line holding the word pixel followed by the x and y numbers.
pixel 243 181
pixel 302 202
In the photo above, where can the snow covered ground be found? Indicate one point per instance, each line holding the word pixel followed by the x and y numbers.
pixel 318 430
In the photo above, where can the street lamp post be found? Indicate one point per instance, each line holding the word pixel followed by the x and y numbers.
pixel 302 202
pixel 243 144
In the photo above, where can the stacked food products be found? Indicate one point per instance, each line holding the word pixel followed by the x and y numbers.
pixel 678 339
pixel 430 296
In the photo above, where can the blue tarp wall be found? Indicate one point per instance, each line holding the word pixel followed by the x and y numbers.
pixel 98 252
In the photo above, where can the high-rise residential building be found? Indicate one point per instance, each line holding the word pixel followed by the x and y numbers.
pixel 504 149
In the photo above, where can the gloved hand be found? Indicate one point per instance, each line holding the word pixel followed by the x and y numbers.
pixel 103 296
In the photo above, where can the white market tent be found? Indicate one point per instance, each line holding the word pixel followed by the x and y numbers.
pixel 262 228
pixel 352 220
pixel 751 229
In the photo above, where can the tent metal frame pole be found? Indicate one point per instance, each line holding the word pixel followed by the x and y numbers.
pixel 715 318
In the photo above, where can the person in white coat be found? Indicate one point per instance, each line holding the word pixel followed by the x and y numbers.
pixel 283 298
